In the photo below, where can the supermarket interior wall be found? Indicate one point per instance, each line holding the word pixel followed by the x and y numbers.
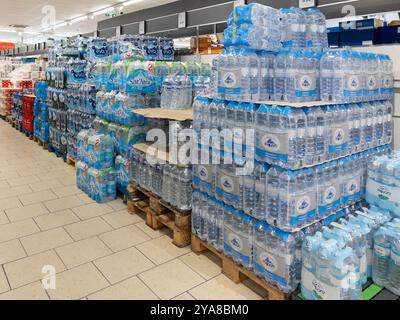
pixel 207 13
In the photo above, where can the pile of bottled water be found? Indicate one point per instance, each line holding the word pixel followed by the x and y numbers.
pixel 348 76
pixel 172 183
pixel 56 76
pixel 81 97
pixel 41 130
pixel 300 76
pixel 120 107
pixel 253 68
pixel 254 26
pixel 152 48
pixel 289 200
pixel 96 150
pixel 177 186
pixel 272 254
pixel 386 266
pixel 123 170
pixel 58 139
pixel 41 90
pixel 338 260
pixel 383 184
pixel 41 113
pixel 56 98
pixel 177 92
pixel 76 122
pixel 125 137
pixel 295 137
pixel 98 184
pixel 304 29
pixel 147 174
pixel 290 137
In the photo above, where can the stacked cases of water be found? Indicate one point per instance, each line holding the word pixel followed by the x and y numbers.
pixel 279 171
pixel 383 184
pixel 152 48
pixel 41 113
pixel 386 266
pixel 283 56
pixel 170 180
pixel 56 78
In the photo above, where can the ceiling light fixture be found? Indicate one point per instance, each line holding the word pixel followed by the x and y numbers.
pixel 75 20
pixel 102 11
pixel 336 3
pixel 47 29
pixel 7 30
pixel 128 3
pixel 62 24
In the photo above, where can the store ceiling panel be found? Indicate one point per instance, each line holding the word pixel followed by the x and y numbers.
pixel 34 14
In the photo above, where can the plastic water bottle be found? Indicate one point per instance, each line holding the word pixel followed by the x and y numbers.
pixel 294 28
pixel 301 77
pixel 275 256
pixel 253 36
pixel 338 135
pixel 382 249
pixel 394 267
pixel 229 186
pixel 354 116
pixel 123 171
pixel 372 76
pixel 167 49
pixel 388 122
pixel 254 14
pixel 260 185
pixel 185 189
pixel 215 214
pixel 266 74
pixel 280 135
pixel 315 143
pixel 279 79
pixel 329 188
pixel 317 37
pixel 323 257
pixel 386 76
pixel 238 236
pixel 331 65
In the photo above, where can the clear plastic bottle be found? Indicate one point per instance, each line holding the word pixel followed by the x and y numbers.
pixel 294 28
pixel 382 250
pixel 185 191
pixel 317 38
pixel 386 75
pixel 315 149
pixel 238 236
pixel 280 75
pixel 229 186
pixel 275 257
pixel 266 75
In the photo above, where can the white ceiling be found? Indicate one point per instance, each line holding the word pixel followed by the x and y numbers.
pixel 29 12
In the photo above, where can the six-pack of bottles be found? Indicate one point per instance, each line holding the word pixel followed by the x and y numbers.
pixel 340 258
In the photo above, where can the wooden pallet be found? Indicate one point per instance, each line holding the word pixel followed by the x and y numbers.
pixel 71 161
pixel 9 120
pixel 160 214
pixel 45 145
pixel 238 273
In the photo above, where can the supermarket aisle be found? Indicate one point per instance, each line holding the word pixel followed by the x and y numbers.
pixel 98 251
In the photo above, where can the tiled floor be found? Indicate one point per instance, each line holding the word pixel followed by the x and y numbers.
pixel 98 251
